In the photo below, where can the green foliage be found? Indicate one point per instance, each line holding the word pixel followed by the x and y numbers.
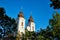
pixel 29 35
pixel 55 4
pixel 55 24
pixel 7 23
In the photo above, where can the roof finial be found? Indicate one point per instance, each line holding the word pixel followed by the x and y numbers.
pixel 31 13
pixel 21 13
pixel 21 8
pixel 31 19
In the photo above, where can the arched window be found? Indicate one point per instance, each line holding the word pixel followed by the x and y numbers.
pixel 22 24
pixel 32 27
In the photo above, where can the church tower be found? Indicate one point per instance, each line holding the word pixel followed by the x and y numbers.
pixel 31 24
pixel 21 23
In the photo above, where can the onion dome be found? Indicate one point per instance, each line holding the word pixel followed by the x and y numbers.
pixel 20 14
pixel 31 19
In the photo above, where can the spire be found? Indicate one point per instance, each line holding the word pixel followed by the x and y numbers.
pixel 31 13
pixel 31 19
pixel 21 13
pixel 21 8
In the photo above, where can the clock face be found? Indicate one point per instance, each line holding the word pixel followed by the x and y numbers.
pixel 22 24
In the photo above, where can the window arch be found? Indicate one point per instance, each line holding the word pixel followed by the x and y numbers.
pixel 32 27
pixel 22 24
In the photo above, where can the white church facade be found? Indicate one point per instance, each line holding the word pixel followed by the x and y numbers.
pixel 22 23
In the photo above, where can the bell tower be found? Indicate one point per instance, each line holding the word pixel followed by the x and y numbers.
pixel 31 24
pixel 21 23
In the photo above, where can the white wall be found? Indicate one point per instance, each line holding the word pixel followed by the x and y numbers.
pixel 21 28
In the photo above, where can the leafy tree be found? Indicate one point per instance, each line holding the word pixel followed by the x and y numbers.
pixel 55 4
pixel 44 34
pixel 7 23
pixel 55 24
pixel 29 35
pixel 55 21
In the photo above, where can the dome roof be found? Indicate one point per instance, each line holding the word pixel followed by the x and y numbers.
pixel 20 14
pixel 31 19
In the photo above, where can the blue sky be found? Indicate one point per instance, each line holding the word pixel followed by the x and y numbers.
pixel 41 11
